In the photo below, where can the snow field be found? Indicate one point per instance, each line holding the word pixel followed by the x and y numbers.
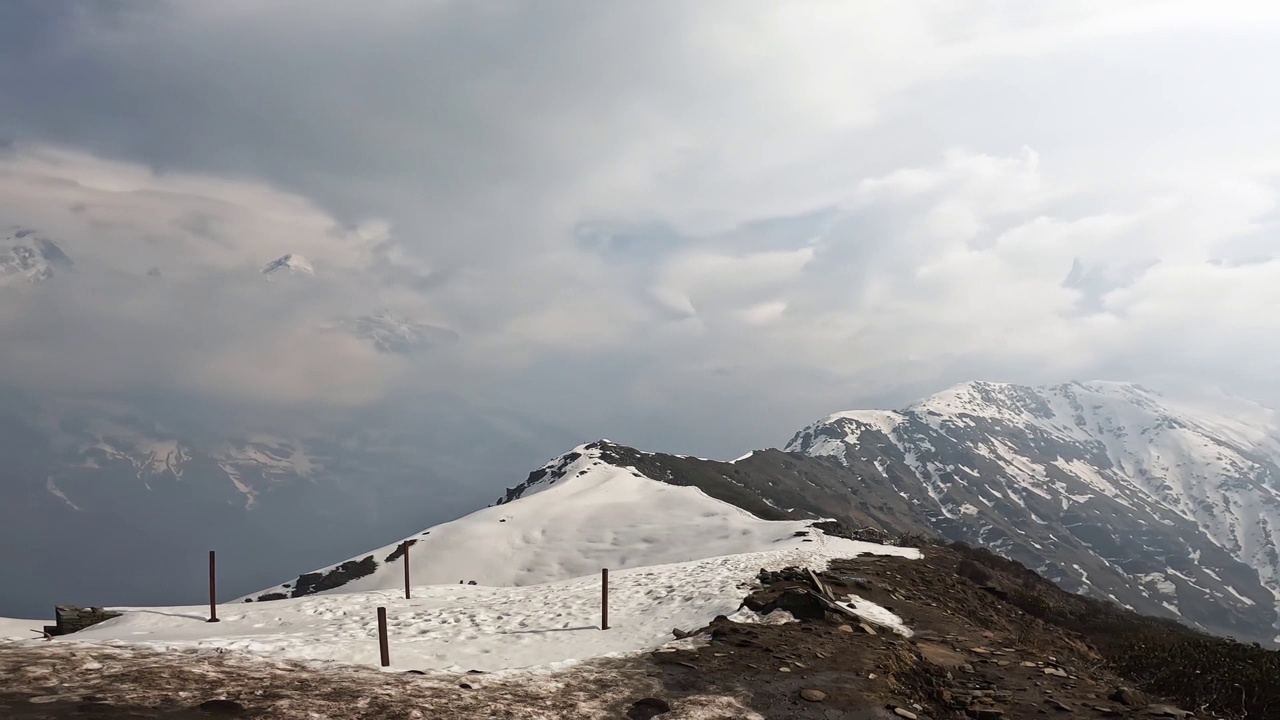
pixel 457 628
pixel 17 629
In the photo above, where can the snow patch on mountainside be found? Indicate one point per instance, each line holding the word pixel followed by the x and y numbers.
pixel 392 333
pixel 576 515
pixel 290 264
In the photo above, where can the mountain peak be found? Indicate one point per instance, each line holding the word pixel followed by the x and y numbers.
pixel 391 333
pixel 289 263
pixel 25 256
pixel 1055 475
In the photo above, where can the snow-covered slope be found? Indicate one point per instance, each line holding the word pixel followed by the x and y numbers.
pixel 1105 487
pixel 576 515
pixel 18 629
pixel 464 627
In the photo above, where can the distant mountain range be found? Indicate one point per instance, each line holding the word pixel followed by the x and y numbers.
pixel 27 257
pixel 117 503
pixel 1108 489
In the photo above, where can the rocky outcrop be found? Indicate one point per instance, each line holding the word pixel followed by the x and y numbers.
pixel 72 618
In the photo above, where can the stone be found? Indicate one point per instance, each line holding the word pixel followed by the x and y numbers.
pixel 646 708
pixel 802 604
pixel 1056 672
pixel 1167 711
pixel 867 629
pixel 812 695
pixel 845 628
pixel 1129 697
pixel 221 707
pixel 904 713
pixel 1058 705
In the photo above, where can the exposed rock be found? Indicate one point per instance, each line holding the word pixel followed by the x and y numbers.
pixel 647 708
pixel 1130 697
pixel 314 582
pixel 221 707
pixel 813 695
pixel 802 604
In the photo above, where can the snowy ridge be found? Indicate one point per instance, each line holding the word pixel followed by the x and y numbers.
pixel 1100 454
pixel 572 517
pixel 248 465
pixel 289 264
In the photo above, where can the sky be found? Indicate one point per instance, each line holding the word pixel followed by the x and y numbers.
pixel 690 227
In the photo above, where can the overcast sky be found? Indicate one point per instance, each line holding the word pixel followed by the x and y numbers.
pixel 688 226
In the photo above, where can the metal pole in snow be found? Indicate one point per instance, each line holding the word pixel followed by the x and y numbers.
pixel 382 637
pixel 604 599
pixel 406 570
pixel 213 589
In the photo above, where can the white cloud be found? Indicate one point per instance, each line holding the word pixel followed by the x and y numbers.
pixel 209 322
pixel 930 173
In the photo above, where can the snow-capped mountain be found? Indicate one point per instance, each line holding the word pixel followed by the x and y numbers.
pixel 394 334
pixel 289 264
pixel 1106 488
pixel 26 257
pixel 577 514
pixel 110 502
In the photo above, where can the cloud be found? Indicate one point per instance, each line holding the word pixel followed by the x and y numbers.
pixel 629 213
pixel 209 322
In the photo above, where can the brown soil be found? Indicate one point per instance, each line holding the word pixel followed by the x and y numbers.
pixel 972 655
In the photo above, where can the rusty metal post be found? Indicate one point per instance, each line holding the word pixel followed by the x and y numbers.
pixel 383 650
pixel 406 570
pixel 213 589
pixel 604 599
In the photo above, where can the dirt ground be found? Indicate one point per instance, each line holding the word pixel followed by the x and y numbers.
pixel 971 656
